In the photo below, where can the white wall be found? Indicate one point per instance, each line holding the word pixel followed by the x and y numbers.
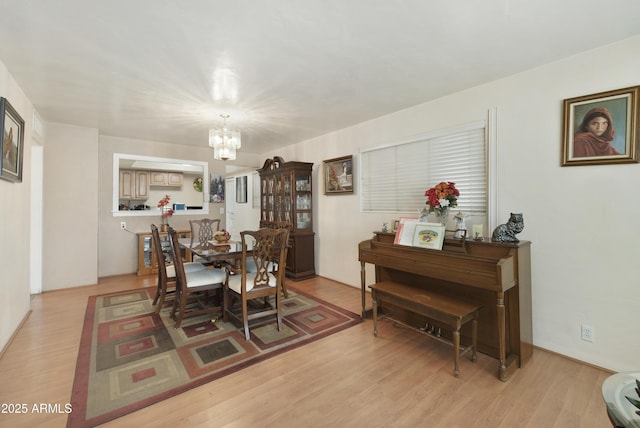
pixel 15 222
pixel 70 239
pixel 584 247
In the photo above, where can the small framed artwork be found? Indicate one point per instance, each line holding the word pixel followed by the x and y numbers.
pixel 216 189
pixel 12 143
pixel 241 189
pixel 338 175
pixel 601 128
pixel 429 235
pixel 395 225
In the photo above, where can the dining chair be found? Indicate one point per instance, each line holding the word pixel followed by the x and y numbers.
pixel 199 284
pixel 166 272
pixel 261 248
pixel 202 232
pixel 285 243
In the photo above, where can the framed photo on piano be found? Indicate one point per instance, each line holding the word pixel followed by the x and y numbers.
pixel 429 235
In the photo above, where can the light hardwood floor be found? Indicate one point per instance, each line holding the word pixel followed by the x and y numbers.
pixel 349 379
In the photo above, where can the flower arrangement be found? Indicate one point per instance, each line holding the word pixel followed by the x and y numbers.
pixel 164 209
pixel 443 195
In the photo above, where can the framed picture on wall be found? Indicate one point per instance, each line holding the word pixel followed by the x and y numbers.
pixel 12 142
pixel 338 175
pixel 601 128
pixel 216 189
pixel 241 189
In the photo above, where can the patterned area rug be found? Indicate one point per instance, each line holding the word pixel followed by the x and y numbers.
pixel 131 357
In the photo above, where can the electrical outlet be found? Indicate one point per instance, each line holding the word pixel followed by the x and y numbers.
pixel 587 333
pixel 123 225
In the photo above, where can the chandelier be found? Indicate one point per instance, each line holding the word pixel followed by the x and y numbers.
pixel 224 141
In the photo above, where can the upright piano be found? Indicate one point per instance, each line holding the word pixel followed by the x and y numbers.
pixel 496 275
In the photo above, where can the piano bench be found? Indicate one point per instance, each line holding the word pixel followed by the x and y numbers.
pixel 444 309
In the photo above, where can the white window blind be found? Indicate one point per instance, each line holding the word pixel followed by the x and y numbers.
pixel 394 178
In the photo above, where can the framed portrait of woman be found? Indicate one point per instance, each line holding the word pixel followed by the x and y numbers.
pixel 601 128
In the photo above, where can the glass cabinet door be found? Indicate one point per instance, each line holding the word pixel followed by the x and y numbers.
pixel 148 255
pixel 303 201
pixel 286 198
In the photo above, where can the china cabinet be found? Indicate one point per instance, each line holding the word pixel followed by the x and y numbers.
pixel 147 262
pixel 286 201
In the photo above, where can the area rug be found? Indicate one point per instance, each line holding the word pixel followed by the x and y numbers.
pixel 130 357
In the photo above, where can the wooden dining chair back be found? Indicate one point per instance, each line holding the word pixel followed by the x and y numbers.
pixel 202 231
pixel 166 286
pixel 201 285
pixel 281 225
pixel 261 248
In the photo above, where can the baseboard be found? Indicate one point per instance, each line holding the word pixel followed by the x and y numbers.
pixel 24 320
pixel 575 360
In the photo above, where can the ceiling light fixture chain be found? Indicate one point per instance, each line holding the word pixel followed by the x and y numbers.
pixel 224 141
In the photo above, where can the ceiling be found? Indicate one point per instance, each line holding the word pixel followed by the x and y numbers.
pixel 287 70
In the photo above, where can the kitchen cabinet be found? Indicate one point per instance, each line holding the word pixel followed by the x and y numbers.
pixel 164 178
pixel 134 184
pixel 286 200
pixel 147 262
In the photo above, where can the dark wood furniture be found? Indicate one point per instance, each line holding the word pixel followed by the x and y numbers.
pixel 201 284
pixel 454 313
pixel 202 232
pixel 496 276
pixel 286 197
pixel 166 286
pixel 223 253
pixel 261 251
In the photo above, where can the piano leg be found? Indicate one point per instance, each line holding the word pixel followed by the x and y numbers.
pixel 502 331
pixel 363 286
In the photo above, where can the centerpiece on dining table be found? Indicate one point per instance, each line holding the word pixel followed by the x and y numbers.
pixel 221 236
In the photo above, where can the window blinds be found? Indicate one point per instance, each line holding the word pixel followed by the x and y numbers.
pixel 395 178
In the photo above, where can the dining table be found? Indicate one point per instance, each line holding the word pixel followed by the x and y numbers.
pixel 229 252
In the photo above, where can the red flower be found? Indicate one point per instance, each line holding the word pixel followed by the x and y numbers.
pixel 166 212
pixel 441 192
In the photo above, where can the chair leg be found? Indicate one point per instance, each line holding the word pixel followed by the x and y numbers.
pixel 183 308
pixel 284 288
pixel 175 305
pixel 158 293
pixel 225 304
pixel 278 302
pixel 160 301
pixel 245 319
